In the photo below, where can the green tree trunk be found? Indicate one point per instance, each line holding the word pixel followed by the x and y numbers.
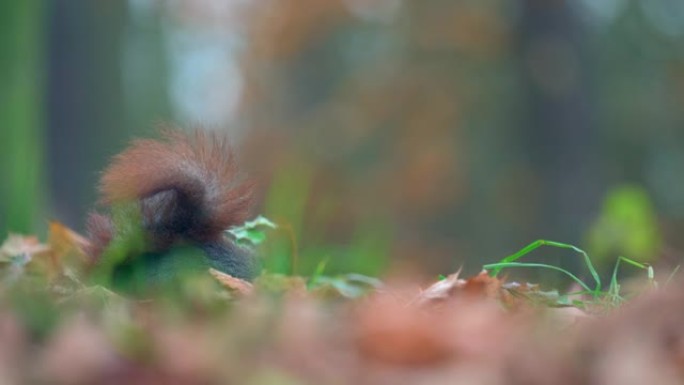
pixel 21 114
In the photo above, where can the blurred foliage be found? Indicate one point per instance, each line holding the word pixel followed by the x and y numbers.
pixel 626 226
pixel 384 130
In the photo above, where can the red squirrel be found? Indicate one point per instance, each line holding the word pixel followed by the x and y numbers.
pixel 178 193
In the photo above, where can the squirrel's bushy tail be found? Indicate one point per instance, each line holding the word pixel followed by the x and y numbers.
pixel 188 185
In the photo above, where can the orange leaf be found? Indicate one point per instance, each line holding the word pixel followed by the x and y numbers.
pixel 237 285
pixel 64 241
pixel 483 285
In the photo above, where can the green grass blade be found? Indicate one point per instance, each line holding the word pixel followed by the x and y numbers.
pixel 504 265
pixel 633 262
pixel 614 288
pixel 584 254
pixel 542 242
pixel 521 253
pixel 318 273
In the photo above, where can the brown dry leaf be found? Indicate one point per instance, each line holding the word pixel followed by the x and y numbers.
pixel 642 342
pixel 22 253
pixel 514 294
pixel 442 289
pixel 566 317
pixel 236 285
pixel 64 241
pixel 64 247
pixel 470 329
pixel 20 246
pixel 14 348
pixel 483 285
pixel 201 357
pixel 390 332
pixel 78 353
pixel 305 341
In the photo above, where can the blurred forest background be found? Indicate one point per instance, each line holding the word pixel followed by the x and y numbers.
pixel 432 133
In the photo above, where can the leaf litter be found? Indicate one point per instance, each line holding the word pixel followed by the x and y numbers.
pixel 349 329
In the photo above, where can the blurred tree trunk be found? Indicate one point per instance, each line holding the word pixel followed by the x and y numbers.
pixel 21 114
pixel 85 99
pixel 562 141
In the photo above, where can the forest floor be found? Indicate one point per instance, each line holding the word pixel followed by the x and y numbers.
pixel 350 329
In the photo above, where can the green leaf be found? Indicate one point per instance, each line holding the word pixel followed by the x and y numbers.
pixel 252 232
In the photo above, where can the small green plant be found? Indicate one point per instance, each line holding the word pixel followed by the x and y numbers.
pixel 596 292
pixel 252 233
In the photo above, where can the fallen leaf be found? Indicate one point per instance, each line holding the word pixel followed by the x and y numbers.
pixel 237 285
pixel 391 332
pixel 78 353
pixel 442 289
pixel 483 285
pixel 565 317
pixel 21 249
pixel 64 241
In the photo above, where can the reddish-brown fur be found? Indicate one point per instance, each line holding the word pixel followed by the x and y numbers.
pixel 100 232
pixel 188 186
